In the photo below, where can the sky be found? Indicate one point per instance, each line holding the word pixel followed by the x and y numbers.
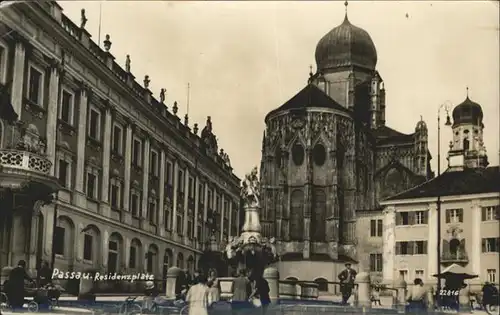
pixel 242 59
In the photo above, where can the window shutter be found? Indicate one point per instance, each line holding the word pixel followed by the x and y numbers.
pixel 483 213
pixel 373 228
pixel 460 215
pixel 497 212
pixel 425 217
pixel 411 247
pixel 372 262
pixel 398 248
pixel 412 218
pixel 446 246
pixel 380 263
pixel 424 251
pixel 448 215
pixel 380 228
pixel 483 245
pixel 399 219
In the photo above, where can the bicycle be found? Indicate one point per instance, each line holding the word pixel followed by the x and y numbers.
pixel 128 307
pixel 184 310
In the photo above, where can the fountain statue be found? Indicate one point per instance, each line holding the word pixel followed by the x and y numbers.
pixel 250 250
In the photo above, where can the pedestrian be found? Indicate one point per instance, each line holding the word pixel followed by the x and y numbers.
pixel 44 274
pixel 15 291
pixel 347 277
pixel 261 291
pixel 214 285
pixel 150 294
pixel 241 293
pixel 376 295
pixel 416 297
pixel 197 297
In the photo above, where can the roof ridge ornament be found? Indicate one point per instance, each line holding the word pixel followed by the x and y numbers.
pixel 346 4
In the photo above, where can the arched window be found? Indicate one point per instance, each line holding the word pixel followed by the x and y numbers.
pixel 297 216
pixel 319 155
pixel 190 264
pixel 322 284
pixel 466 144
pixel 298 154
pixel 114 248
pixel 151 258
pixel 318 218
pixel 180 261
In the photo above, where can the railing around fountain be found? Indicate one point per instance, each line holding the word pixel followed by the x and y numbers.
pixel 24 160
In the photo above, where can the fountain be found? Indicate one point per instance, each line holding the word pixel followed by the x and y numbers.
pixel 251 251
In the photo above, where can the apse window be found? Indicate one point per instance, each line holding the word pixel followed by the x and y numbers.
pixel 319 155
pixel 298 154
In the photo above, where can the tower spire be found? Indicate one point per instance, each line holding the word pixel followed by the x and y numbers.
pixel 346 4
pixel 467 91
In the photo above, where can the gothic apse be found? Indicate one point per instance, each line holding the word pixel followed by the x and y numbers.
pixel 327 153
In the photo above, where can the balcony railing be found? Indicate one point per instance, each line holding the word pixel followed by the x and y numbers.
pixel 24 160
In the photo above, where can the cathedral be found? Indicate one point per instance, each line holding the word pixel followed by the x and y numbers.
pixel 327 153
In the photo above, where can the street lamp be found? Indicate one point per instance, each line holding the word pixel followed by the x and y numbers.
pixel 446 106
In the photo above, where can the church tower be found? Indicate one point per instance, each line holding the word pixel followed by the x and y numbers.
pixel 346 60
pixel 467 149
pixel 421 149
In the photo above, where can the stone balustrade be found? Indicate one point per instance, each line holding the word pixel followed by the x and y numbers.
pixel 24 160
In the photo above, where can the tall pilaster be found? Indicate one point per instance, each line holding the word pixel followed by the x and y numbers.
pixel 186 204
pixel 222 215
pixel 432 241
pixel 176 189
pixel 126 256
pixel 230 227
pixel 161 195
pixel 80 158
pixel 196 206
pixel 18 78
pixel 389 230
pixel 128 164
pixel 476 237
pixel 105 249
pixel 205 212
pixel 145 182
pixel 51 132
pixel 106 156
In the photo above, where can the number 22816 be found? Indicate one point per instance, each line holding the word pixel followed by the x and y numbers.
pixel 448 292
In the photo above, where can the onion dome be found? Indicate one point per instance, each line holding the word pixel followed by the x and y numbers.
pixel 346 45
pixel 421 126
pixel 468 112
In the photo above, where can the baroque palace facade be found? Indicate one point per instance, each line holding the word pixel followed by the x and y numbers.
pixel 328 153
pixel 140 189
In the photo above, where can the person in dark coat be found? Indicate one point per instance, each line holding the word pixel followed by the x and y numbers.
pixel 347 277
pixel 44 275
pixel 261 291
pixel 242 288
pixel 15 291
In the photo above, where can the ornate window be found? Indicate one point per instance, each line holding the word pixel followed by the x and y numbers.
pixel 298 154
pixel 63 168
pixel 319 154
pixel 137 152
pixel 117 136
pixel 152 207
pixel 94 124
pixel 115 193
pixel 135 202
pixel 153 163
pixel 67 106
pixel 318 219
pixel 35 84
pixel 297 216
pixel 180 261
pixel 92 182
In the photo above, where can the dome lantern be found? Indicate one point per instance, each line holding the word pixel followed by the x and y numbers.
pixel 468 112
